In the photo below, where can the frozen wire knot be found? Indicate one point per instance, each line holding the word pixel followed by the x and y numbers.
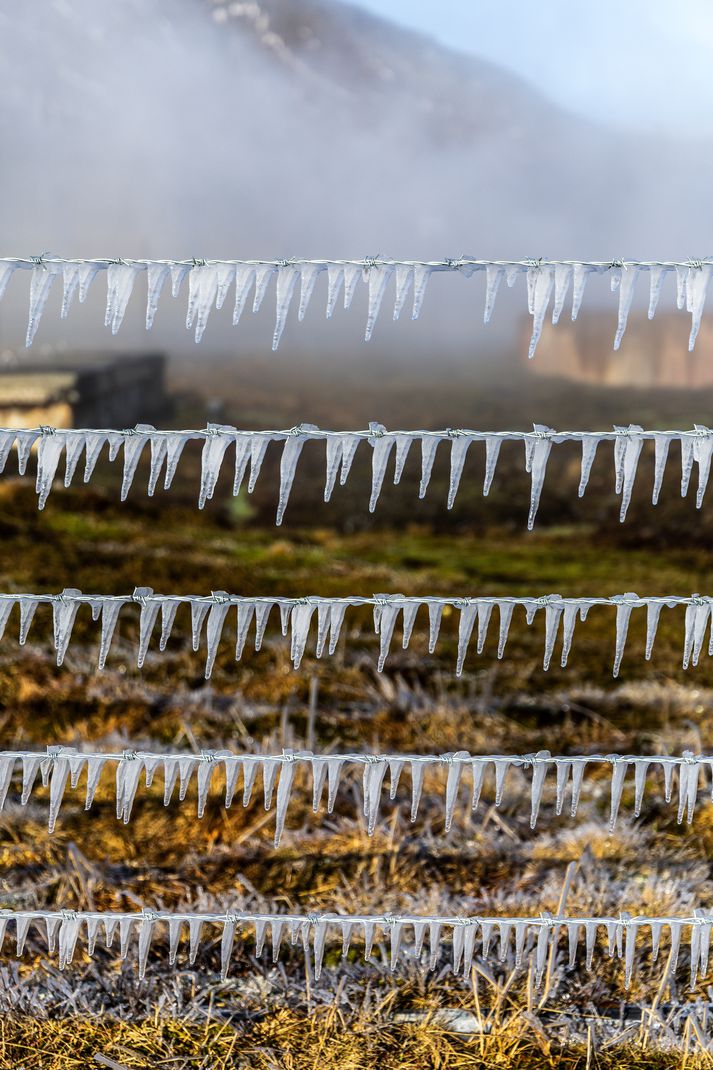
pixel 462 603
pixel 548 599
pixel 54 751
pixel 138 596
pixel 150 915
pixel 313 919
pixel 454 262
pixel 198 261
pixel 696 264
pixel 129 756
pixel 288 755
pixel 207 756
pixel 534 261
pixel 689 757
pixel 546 919
pixel 618 264
pixel 220 597
pixel 38 260
pixel 45 430
pixel 371 261
pixel 455 432
pixel 68 915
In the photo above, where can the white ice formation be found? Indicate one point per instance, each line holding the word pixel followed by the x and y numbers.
pixel 62 767
pixel 547 284
pixel 516 941
pixel 68 446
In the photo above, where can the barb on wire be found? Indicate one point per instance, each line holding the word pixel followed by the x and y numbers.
pixel 210 281
pixel 517 939
pixel 209 614
pixel 166 449
pixel 60 766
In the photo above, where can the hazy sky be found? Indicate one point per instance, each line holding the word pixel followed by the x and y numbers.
pixel 633 62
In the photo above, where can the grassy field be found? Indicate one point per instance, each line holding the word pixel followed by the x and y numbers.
pixel 357 1014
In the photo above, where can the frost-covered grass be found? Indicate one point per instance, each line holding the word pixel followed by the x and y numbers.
pixel 358 1014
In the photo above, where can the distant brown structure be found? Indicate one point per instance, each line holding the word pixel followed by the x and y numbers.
pixel 654 353
pixel 80 390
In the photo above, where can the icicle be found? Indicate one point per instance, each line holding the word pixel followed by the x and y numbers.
pixel 589 449
pixel 687 457
pixel 309 273
pixel 501 769
pixel 68 936
pixel 49 451
pixel 543 281
pixel 206 768
pixel 110 609
pixel 146 926
pixel 244 278
pixel 263 275
pixel 553 614
pixel 352 274
pixel 64 612
pixel 74 443
pixel 702 450
pixel 156 276
pixel 319 928
pixel 455 768
pixel 214 628
pixel 435 613
pixel 334 771
pixel 134 441
pixel 374 772
pixel 381 444
pixel 194 935
pixel 632 452
pixel 386 612
pixel 174 936
pixel 287 276
pixel 570 612
pixel 468 613
pixel 540 762
pixel 562 769
pixel 403 445
pixel 590 937
pixel 377 275
pixel 284 789
pixel 288 464
pixel 418 770
pixel 43 275
pixel 300 619
pixel 262 614
pixel 619 768
pixel 7 439
pixel 493 277
pixel 178 274
pixel 30 767
pixel 478 767
pixel 339 449
pixel 563 278
pixel 28 606
pixel 202 291
pixel 506 611
pixel 396 766
pixel 335 281
pixel 7 766
pixel 120 280
pixel 434 943
pixel 624 608
pixel 404 281
pixel 623 279
pixel 421 275
pixel 218 437
pixel 661 446
pixel 128 774
pixel 258 448
pixel 641 768
pixel 697 284
pixel 577 778
pixel 492 452
pixel 536 457
pixel 580 272
pixel 656 277
pixel 675 928
pixel 458 945
pixel 226 944
pixel 460 443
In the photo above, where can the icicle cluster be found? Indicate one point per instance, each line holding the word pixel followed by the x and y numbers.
pixel 211 281
pixel 516 939
pixel 62 765
pixel 209 614
pixel 166 448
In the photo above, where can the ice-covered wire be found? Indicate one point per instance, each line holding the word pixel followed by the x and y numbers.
pixel 166 448
pixel 209 614
pixel 209 282
pixel 60 766
pixel 517 938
